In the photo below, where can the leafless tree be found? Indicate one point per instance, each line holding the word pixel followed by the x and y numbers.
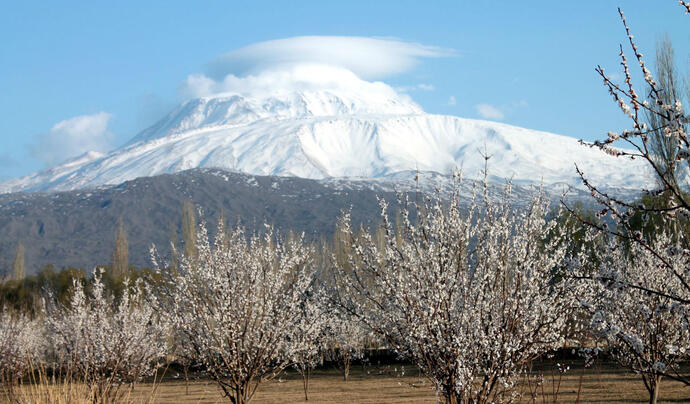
pixel 18 270
pixel 664 148
pixel 189 228
pixel 119 264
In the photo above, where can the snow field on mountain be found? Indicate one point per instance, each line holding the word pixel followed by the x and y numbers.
pixel 365 130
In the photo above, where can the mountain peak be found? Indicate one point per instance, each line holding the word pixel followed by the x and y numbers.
pixel 233 109
pixel 316 121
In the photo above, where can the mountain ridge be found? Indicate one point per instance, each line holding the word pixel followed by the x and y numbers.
pixel 77 228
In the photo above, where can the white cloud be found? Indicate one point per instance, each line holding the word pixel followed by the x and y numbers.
pixel 72 137
pixel 301 77
pixel 451 100
pixel 312 63
pixel 488 111
pixel 369 58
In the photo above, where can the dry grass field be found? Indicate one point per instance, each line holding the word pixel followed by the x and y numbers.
pixel 601 384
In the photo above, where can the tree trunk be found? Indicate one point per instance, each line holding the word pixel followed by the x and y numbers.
pixel 240 394
pixel 186 379
pixel 306 374
pixel 654 389
pixel 450 393
pixel 346 368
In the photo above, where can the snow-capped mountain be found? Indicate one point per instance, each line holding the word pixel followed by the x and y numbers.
pixel 320 133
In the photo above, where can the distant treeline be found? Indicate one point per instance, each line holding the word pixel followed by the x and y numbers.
pixel 26 294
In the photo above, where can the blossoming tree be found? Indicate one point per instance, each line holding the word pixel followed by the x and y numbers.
pixel 237 302
pixel 348 340
pixel 648 333
pixel 468 297
pixel 104 342
pixel 308 338
pixel 21 341
pixel 648 285
pixel 671 122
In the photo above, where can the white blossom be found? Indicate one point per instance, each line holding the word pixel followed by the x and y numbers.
pixel 239 306
pixel 21 342
pixel 468 296
pixel 642 330
pixel 105 342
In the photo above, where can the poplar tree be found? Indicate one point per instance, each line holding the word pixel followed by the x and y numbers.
pixel 189 229
pixel 120 259
pixel 18 272
pixel 663 147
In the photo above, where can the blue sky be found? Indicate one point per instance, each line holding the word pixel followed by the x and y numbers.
pixel 528 63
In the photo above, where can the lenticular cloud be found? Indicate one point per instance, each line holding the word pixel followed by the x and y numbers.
pixel 310 63
pixel 287 79
pixel 368 58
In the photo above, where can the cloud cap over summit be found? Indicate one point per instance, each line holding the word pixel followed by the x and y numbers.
pixel 368 58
